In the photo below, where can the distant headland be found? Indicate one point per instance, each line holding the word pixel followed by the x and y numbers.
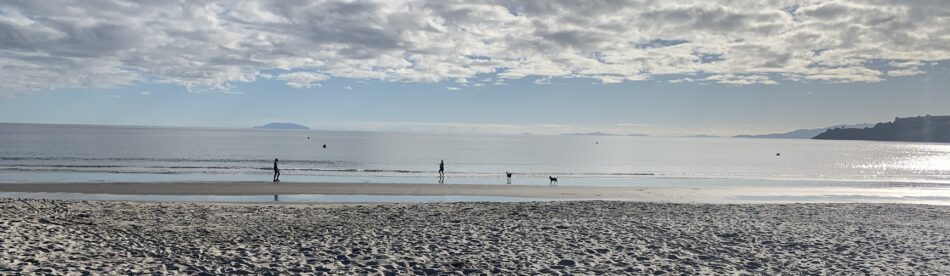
pixel 282 126
pixel 914 129
pixel 802 133
pixel 598 133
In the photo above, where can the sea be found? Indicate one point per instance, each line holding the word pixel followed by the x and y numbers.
pixel 37 153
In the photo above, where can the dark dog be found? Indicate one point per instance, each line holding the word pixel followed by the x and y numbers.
pixel 553 180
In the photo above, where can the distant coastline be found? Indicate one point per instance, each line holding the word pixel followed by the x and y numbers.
pixel 913 129
pixel 282 126
pixel 598 133
pixel 801 133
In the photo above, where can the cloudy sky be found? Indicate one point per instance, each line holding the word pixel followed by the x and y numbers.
pixel 655 67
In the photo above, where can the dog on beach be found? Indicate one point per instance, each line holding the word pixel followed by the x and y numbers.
pixel 509 177
pixel 553 180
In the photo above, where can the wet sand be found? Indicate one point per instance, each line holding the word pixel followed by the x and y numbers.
pixel 588 237
pixel 266 188
pixel 740 194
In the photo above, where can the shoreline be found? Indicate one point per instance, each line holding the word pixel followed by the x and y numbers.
pixel 741 194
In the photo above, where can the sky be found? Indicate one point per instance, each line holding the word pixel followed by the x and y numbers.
pixel 540 67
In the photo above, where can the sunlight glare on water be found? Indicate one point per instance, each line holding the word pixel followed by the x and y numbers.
pixel 922 159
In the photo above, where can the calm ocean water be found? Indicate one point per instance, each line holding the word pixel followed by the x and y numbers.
pixel 70 153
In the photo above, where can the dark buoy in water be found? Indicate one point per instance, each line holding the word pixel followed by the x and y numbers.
pixel 324 145
pixel 308 137
pixel 597 143
pixel 778 154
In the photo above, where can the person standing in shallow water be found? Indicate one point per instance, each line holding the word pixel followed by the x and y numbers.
pixel 276 171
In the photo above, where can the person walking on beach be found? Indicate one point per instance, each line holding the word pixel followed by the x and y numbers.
pixel 276 171
pixel 441 168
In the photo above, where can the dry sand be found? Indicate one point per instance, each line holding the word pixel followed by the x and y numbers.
pixel 590 237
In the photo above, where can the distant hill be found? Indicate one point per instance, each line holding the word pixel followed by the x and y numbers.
pixel 598 133
pixel 914 129
pixel 282 126
pixel 702 136
pixel 801 133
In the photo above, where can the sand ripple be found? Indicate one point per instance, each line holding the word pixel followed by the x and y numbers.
pixel 62 237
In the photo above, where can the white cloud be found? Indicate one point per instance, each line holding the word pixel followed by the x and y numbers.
pixel 686 79
pixel 845 74
pixel 452 88
pixel 145 93
pixel 740 79
pixel 212 45
pixel 904 72
pixel 302 79
pixel 905 68
pixel 544 80
pixel 610 79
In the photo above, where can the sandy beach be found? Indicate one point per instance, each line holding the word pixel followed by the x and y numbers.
pixel 590 237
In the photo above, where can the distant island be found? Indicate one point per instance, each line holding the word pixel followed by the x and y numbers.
pixel 914 129
pixel 598 133
pixel 701 136
pixel 282 126
pixel 801 133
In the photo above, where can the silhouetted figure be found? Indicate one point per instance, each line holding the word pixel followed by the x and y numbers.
pixel 509 177
pixel 275 197
pixel 553 180
pixel 276 171
pixel 441 168
pixel 324 145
